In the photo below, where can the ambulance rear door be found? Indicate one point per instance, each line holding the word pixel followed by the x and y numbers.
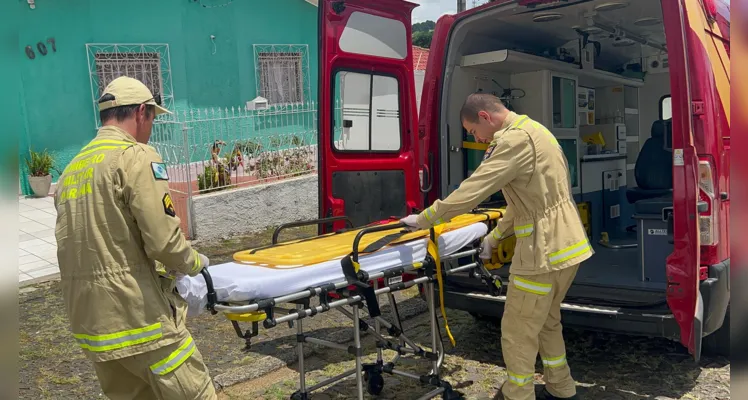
pixel 367 114
pixel 699 80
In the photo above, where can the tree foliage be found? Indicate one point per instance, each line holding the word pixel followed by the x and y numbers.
pixel 422 33
pixel 422 39
pixel 424 26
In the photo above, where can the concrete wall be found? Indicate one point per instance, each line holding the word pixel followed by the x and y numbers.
pixel 56 103
pixel 234 212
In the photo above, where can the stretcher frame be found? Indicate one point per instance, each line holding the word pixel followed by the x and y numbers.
pixel 355 291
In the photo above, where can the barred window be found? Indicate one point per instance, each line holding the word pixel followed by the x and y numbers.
pixel 281 77
pixel 150 63
pixel 145 67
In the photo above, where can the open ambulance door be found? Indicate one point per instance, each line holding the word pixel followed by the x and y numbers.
pixel 368 169
pixel 699 85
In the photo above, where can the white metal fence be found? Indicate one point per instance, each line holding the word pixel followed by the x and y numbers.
pixel 208 150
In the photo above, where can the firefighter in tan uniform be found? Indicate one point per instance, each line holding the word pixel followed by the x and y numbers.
pixel 120 248
pixel 525 162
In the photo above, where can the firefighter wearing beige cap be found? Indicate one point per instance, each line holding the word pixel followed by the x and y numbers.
pixel 119 249
pixel 526 163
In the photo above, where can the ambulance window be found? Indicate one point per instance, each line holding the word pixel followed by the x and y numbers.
pixel 373 35
pixel 367 112
pixel 666 111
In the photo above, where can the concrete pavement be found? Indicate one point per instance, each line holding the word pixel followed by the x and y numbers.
pixel 37 247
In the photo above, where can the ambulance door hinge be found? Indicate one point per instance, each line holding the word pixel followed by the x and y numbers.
pixel 697 107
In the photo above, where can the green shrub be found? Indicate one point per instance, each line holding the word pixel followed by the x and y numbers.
pixel 40 163
pixel 213 179
pixel 249 148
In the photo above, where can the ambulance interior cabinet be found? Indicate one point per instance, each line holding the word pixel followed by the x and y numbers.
pixel 571 151
pixel 551 99
pixel 564 102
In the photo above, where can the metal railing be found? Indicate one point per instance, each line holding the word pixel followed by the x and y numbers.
pixel 209 150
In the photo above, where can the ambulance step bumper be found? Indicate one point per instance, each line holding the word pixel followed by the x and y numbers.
pixel 582 316
pixel 564 306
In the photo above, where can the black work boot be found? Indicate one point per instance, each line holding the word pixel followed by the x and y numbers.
pixel 546 395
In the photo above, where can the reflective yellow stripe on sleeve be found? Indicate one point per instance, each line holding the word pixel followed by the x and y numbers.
pixel 570 252
pixel 532 287
pixel 523 230
pixel 196 265
pixel 496 234
pixel 519 380
pixel 429 214
pixel 119 340
pixel 554 362
pixel 175 359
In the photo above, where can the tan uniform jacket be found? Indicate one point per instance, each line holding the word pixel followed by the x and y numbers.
pixel 527 164
pixel 115 219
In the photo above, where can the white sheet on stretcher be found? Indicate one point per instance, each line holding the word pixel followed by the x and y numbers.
pixel 235 282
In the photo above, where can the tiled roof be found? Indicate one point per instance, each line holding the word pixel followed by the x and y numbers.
pixel 420 58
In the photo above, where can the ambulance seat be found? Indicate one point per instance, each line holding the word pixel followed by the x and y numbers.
pixel 654 166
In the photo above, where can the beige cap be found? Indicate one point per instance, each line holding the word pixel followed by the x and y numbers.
pixel 129 91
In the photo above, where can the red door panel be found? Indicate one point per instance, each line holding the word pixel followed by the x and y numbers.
pixel 683 264
pixel 368 149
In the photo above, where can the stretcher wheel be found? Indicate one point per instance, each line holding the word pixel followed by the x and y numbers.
pixel 374 383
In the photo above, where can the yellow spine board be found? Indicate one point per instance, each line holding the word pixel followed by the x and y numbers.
pixel 298 254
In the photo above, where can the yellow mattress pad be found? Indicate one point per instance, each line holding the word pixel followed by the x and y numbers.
pixel 305 252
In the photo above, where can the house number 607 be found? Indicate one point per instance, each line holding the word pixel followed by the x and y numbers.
pixel 41 48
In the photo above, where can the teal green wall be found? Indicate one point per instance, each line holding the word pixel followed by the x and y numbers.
pixel 10 101
pixel 56 95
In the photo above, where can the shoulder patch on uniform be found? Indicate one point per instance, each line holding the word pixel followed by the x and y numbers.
pixel 489 150
pixel 159 171
pixel 168 206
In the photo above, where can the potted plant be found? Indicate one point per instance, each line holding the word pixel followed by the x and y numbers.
pixel 40 164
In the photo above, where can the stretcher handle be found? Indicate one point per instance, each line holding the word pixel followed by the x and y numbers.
pixel 378 228
pixel 212 297
pixel 307 223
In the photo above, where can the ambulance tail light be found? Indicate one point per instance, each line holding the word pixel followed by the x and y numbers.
pixel 708 222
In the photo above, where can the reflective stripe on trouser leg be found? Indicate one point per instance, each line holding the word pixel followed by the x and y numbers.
pixel 189 380
pixel 519 380
pixel 528 300
pixel 557 374
pixel 554 362
pixel 175 359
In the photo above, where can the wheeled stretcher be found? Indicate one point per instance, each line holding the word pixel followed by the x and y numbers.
pixel 347 271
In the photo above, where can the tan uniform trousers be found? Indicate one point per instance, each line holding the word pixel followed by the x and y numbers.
pixel 532 323
pixel 131 378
